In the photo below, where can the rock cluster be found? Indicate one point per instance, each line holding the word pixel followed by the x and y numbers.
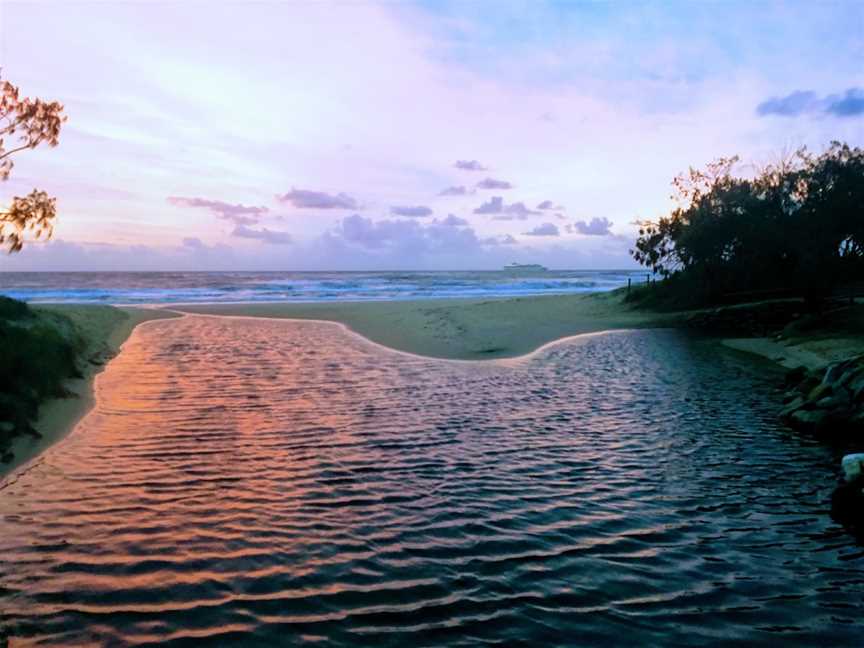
pixel 829 400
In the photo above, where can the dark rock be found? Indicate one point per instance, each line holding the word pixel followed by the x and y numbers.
pixel 809 383
pixel 820 391
pixel 795 376
pixel 796 404
pixel 790 396
pixel 839 400
pixel 856 389
pixel 833 372
pixel 847 503
pixel 808 420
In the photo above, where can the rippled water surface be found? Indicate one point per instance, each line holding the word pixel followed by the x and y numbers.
pixel 263 483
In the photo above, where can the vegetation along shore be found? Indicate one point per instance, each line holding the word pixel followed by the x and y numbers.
pixel 52 354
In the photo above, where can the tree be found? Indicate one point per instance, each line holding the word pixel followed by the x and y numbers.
pixel 797 226
pixel 32 122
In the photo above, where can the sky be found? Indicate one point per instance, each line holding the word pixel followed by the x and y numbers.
pixel 406 135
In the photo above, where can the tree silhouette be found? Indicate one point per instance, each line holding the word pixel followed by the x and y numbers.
pixel 797 226
pixel 32 122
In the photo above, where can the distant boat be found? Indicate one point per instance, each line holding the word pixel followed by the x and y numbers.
pixel 525 267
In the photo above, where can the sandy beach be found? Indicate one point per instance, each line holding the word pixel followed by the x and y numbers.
pixel 105 329
pixel 463 329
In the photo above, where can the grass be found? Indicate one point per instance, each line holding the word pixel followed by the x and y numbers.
pixel 40 352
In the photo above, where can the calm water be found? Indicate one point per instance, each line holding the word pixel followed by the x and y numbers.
pixel 189 287
pixel 263 483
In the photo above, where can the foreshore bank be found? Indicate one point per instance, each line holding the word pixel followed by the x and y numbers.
pixel 463 329
pixel 103 329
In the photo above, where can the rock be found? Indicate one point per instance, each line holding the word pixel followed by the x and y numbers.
pixel 808 383
pixel 7 426
pixel 833 372
pixel 856 389
pixel 808 420
pixel 795 376
pixel 830 400
pixel 849 375
pixel 798 403
pixel 820 391
pixel 853 467
pixel 839 400
pixel 791 396
pixel 847 503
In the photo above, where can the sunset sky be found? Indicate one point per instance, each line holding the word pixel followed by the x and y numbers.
pixel 406 135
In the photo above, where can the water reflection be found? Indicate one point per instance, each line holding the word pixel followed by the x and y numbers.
pixel 275 483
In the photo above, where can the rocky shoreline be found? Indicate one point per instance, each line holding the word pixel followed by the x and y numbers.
pixel 828 401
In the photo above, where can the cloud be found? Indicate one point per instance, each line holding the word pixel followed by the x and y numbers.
pixel 597 227
pixel 418 211
pixel 516 211
pixel 546 229
pixel 490 183
pixel 850 104
pixel 800 102
pixel 794 104
pixel 495 205
pixel 470 165
pixel 500 211
pixel 548 204
pixel 306 199
pixel 506 239
pixel 452 221
pixel 237 214
pixel 264 235
pixel 65 256
pixel 454 191
pixel 408 238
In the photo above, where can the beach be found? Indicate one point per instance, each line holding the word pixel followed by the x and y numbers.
pixel 463 329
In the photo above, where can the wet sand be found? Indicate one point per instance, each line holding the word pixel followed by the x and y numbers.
pixel 105 329
pixel 462 329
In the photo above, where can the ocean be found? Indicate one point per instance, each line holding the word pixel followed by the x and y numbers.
pixel 228 287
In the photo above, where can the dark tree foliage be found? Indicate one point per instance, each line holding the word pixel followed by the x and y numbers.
pixel 798 225
pixel 36 358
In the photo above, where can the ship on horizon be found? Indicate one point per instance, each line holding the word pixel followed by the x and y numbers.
pixel 525 267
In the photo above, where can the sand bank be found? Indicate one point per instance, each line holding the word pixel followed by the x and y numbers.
pixel 104 329
pixel 462 329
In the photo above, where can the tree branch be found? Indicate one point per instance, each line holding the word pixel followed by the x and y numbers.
pixel 15 150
